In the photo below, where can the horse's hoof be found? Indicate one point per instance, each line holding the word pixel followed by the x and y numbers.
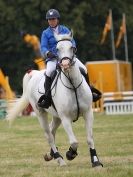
pixel 47 157
pixel 97 164
pixel 70 155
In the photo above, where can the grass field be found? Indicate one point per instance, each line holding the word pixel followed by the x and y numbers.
pixel 22 148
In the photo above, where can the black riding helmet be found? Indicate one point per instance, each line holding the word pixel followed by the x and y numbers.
pixel 52 13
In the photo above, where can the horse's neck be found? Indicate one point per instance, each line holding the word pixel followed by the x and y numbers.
pixel 74 75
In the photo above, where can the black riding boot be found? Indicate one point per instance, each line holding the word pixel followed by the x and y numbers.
pixel 45 100
pixel 95 93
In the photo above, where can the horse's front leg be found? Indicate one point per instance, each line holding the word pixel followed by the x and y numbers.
pixel 43 119
pixel 54 124
pixel 72 152
pixel 88 116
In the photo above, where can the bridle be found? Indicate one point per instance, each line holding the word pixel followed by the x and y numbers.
pixel 72 62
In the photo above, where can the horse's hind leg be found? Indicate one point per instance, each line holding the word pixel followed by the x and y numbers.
pixel 72 152
pixel 88 116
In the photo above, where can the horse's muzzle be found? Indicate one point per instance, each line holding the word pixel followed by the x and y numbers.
pixel 65 63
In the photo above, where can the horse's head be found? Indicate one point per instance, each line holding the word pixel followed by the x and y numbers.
pixel 65 49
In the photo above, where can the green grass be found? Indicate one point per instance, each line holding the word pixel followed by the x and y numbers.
pixel 22 148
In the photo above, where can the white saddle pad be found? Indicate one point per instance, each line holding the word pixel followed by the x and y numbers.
pixel 41 85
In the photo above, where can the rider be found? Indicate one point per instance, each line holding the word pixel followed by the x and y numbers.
pixel 48 50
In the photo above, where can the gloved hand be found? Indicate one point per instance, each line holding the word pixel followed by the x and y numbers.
pixel 50 55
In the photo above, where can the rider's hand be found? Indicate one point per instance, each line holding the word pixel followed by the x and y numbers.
pixel 50 55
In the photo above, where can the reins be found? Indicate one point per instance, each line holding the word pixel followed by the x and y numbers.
pixel 73 88
pixel 75 91
pixel 68 77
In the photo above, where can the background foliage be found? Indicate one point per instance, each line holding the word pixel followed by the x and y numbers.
pixel 86 18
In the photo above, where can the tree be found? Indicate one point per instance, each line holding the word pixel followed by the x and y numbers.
pixel 86 18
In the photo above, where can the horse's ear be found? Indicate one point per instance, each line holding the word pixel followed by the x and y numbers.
pixel 71 33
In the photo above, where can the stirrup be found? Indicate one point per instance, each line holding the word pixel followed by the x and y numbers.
pixel 43 97
pixel 95 93
pixel 96 97
pixel 44 102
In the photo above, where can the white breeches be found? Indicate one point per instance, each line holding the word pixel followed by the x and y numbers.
pixel 51 66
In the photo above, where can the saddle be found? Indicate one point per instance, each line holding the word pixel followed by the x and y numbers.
pixel 46 99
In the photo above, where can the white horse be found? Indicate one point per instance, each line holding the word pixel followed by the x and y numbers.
pixel 71 98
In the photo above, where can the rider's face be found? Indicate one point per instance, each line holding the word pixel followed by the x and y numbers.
pixel 53 22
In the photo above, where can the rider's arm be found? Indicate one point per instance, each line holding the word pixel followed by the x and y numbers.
pixel 44 45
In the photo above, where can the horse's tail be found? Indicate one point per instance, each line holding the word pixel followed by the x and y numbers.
pixel 18 106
